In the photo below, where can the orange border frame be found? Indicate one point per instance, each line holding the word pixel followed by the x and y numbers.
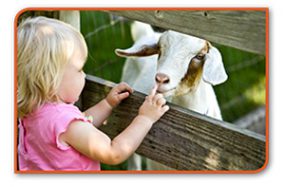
pixel 16 171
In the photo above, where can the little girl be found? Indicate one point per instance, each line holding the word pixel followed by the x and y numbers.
pixel 53 133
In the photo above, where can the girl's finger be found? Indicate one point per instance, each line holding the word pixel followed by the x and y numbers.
pixel 124 87
pixel 147 98
pixel 165 108
pixel 153 91
pixel 157 96
pixel 123 95
pixel 161 102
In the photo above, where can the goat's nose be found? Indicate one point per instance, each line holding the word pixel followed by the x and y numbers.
pixel 161 78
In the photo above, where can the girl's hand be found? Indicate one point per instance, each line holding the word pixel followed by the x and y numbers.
pixel 154 106
pixel 118 93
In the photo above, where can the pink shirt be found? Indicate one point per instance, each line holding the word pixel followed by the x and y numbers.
pixel 39 147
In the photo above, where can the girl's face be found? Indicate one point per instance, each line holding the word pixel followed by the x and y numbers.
pixel 73 79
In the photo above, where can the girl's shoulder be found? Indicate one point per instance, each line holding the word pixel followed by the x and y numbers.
pixel 54 114
pixel 58 107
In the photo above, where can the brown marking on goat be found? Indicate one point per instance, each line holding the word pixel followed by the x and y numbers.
pixel 145 50
pixel 148 50
pixel 194 73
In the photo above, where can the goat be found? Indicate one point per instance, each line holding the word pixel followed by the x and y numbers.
pixel 184 67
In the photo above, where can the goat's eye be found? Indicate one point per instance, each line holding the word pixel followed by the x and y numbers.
pixel 200 57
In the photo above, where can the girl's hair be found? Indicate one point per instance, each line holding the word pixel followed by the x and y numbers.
pixel 45 46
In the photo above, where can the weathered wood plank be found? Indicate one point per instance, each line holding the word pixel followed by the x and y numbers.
pixel 183 139
pixel 242 29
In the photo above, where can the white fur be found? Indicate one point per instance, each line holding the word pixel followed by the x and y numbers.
pixel 176 51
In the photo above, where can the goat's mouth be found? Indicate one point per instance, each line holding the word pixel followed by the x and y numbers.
pixel 167 93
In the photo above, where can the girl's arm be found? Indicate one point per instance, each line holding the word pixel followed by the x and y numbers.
pixel 103 109
pixel 99 112
pixel 98 146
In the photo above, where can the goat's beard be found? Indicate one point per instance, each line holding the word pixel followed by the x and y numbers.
pixel 186 87
pixel 169 94
pixel 177 91
pixel 182 89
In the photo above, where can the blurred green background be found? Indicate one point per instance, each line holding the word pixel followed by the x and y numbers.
pixel 243 92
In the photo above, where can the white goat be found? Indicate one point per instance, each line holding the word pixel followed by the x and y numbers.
pixel 183 66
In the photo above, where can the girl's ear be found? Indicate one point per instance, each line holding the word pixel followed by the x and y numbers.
pixel 213 70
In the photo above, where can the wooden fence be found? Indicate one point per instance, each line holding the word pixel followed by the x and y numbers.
pixel 242 29
pixel 183 139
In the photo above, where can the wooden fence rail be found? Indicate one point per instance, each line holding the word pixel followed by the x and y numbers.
pixel 183 139
pixel 242 29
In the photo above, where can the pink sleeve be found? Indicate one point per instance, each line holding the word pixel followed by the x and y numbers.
pixel 63 120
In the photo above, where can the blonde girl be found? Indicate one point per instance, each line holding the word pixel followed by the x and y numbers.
pixel 53 133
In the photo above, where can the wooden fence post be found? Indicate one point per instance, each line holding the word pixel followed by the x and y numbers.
pixel 71 17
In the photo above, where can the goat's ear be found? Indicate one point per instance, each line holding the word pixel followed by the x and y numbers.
pixel 138 51
pixel 213 70
pixel 140 30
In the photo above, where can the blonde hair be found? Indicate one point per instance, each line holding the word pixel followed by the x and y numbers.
pixel 45 46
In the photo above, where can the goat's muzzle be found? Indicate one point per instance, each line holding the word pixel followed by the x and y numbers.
pixel 162 78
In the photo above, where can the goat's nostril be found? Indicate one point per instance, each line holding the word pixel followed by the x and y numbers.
pixel 157 79
pixel 161 78
pixel 166 80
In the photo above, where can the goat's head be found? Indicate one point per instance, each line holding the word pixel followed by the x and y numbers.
pixel 182 61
